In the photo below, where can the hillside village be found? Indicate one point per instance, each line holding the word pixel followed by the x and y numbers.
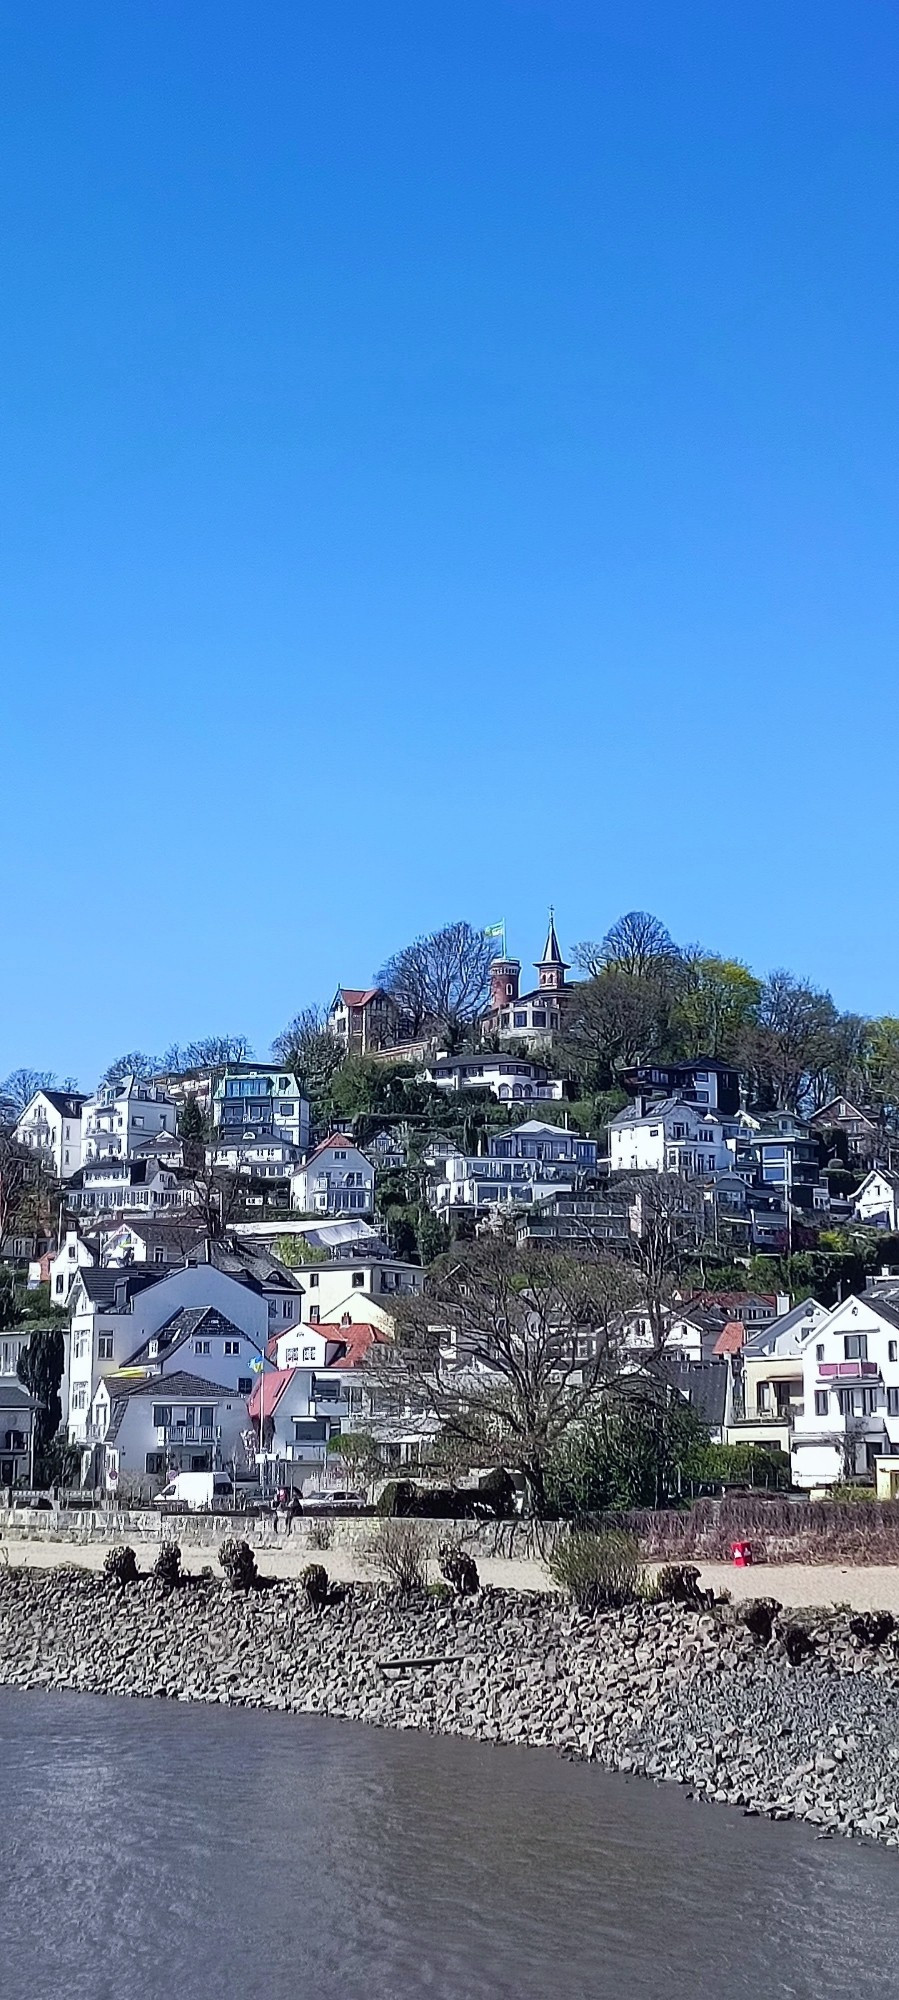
pixel 460 1219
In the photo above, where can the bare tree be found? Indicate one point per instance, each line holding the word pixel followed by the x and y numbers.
pixel 210 1052
pixel 135 1063
pixel 637 943
pixel 615 1019
pixel 20 1187
pixel 309 1048
pixel 20 1087
pixel 667 1224
pixel 506 1347
pixel 215 1195
pixel 442 979
pixel 791 1048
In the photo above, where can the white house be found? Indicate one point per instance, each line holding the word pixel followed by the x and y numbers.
pixel 467 1182
pixel 114 1313
pixel 334 1179
pixel 254 1106
pixel 74 1254
pixel 51 1126
pixel 361 1288
pixel 123 1114
pixel 511 1079
pixel 876 1201
pixel 771 1376
pixel 672 1136
pixel 850 1392
pixel 109 1186
pixel 313 1393
pixel 143 1429
pixel 266 1158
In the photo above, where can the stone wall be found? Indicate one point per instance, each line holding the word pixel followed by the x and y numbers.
pixel 668 1692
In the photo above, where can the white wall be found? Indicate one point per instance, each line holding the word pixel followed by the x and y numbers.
pixel 823 1428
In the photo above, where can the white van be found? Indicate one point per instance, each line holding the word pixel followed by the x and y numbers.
pixel 194 1491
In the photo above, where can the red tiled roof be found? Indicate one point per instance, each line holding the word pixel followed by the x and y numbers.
pixel 352 1344
pixel 336 1139
pixel 730 1339
pixel 277 1380
pixel 358 996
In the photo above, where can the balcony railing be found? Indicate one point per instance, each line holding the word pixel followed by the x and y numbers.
pixel 848 1371
pixel 185 1433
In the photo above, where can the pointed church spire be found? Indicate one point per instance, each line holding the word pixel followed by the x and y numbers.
pixel 552 967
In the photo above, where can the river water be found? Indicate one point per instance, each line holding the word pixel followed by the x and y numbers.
pixel 151 1851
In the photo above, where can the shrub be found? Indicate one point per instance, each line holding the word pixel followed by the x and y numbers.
pixel 457 1568
pixel 238 1563
pixel 400 1552
pixel 600 1572
pixel 678 1583
pixel 321 1535
pixel 167 1567
pixel 758 1616
pixel 120 1565
pixel 397 1498
pixel 497 1492
pixel 798 1644
pixel 872 1628
pixel 314 1579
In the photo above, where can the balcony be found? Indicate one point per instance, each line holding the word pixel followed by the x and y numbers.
pixel 176 1434
pixel 848 1371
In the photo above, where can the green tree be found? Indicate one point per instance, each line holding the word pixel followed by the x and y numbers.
pixel 360 1457
pixel 718 1001
pixel 193 1132
pixel 630 1450
pixel 40 1369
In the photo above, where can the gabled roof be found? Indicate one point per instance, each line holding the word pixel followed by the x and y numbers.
pixel 358 996
pixel 184 1325
pixel 335 1139
pixel 276 1383
pixel 851 1111
pixel 166 1388
pixel 703 1384
pixel 67 1102
pixel 107 1286
pixel 352 1344
pixel 886 1174
pixel 731 1339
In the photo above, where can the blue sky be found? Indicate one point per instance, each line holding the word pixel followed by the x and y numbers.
pixel 449 464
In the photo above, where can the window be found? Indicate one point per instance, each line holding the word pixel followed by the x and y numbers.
pixel 291 1357
pixel 855 1346
pixel 309 1354
pixel 60 1284
pixel 893 1402
pixel 232 1346
pixel 358 1277
pixel 245 1385
pixel 340 1152
pixel 821 1401
pixel 819 1351
pixel 201 1347
pixel 315 1313
pixel 79 1399
pixel 104 1347
pixel 763 1396
pixel 158 1254
pixel 312 1280
pixel 893 1350
pixel 519 1020
pixel 162 1415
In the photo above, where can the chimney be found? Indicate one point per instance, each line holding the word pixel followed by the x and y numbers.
pixel 783 1304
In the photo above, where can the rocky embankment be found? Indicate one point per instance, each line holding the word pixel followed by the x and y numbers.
pixel 669 1692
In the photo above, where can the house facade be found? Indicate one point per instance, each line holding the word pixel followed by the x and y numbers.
pixel 109 1185
pixel 858 1132
pixel 850 1393
pixel 876 1202
pixel 361 1289
pixel 771 1379
pixel 254 1106
pixel 364 1019
pixel 334 1179
pixel 122 1115
pixel 538 1016
pixel 510 1079
pixel 51 1126
pixel 671 1136
pixel 143 1429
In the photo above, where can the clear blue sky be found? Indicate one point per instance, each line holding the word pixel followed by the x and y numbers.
pixel 449 464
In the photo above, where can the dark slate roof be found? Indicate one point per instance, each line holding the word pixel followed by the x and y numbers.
pixel 184 1325
pixel 703 1384
pixel 67 1102
pixel 551 952
pixel 101 1284
pixel 14 1397
pixel 164 1387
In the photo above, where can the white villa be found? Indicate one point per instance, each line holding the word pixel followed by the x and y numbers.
pixel 334 1179
pixel 51 1126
